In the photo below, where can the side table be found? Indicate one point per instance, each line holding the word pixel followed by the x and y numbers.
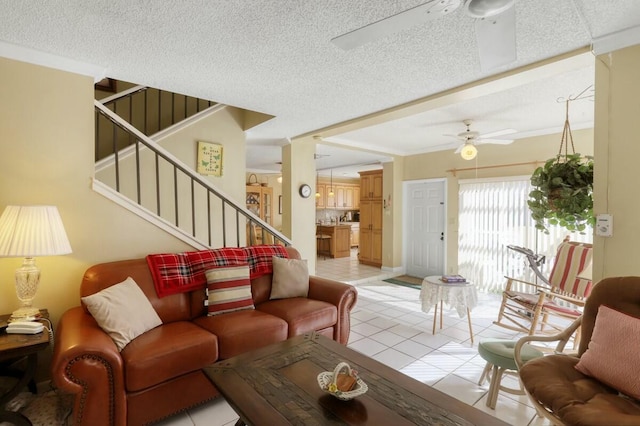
pixel 13 347
pixel 461 296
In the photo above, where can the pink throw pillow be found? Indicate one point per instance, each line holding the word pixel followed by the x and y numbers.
pixel 613 356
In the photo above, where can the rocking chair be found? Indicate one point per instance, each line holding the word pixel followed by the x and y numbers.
pixel 562 296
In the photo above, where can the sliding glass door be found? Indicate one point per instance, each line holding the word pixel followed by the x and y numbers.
pixel 492 215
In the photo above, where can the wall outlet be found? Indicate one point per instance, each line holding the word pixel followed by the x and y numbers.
pixel 604 225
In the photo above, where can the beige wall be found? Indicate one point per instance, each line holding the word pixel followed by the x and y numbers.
pixel 616 172
pixel 439 165
pixel 298 213
pixel 392 223
pixel 46 157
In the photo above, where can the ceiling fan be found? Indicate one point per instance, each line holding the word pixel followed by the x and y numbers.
pixel 471 138
pixel 495 22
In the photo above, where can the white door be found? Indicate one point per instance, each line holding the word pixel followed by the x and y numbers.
pixel 425 228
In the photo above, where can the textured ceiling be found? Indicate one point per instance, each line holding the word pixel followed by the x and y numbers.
pixel 275 56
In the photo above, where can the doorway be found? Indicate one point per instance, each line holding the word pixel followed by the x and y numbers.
pixel 424 227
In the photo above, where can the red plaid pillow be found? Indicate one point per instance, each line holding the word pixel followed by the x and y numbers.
pixel 259 258
pixel 201 261
pixel 171 273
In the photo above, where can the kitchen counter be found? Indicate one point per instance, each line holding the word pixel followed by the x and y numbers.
pixel 340 241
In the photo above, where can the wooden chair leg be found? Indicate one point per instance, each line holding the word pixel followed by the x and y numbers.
pixel 536 314
pixel 485 372
pixel 504 300
pixel 494 387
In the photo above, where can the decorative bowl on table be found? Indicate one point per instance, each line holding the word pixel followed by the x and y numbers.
pixel 342 385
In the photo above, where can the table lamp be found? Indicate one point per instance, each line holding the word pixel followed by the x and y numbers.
pixel 29 231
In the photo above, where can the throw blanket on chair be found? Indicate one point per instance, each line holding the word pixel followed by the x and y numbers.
pixel 182 272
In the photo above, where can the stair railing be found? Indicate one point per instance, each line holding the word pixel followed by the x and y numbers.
pixel 161 185
pixel 149 110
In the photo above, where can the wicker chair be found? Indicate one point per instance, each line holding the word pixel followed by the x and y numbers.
pixel 566 396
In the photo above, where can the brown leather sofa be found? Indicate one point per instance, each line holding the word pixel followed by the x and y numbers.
pixel 160 373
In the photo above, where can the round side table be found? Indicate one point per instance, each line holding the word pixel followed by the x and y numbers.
pixel 461 296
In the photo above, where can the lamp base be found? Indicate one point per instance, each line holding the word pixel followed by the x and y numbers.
pixel 25 312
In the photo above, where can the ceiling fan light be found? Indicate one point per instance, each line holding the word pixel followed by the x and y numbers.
pixel 486 8
pixel 469 151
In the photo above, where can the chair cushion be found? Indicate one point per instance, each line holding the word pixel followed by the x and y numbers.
pixel 165 352
pixel 574 397
pixel 500 352
pixel 531 300
pixel 571 259
pixel 244 331
pixel 301 314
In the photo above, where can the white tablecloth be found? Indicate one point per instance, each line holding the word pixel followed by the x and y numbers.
pixel 458 296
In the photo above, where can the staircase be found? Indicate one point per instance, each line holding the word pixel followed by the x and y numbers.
pixel 140 175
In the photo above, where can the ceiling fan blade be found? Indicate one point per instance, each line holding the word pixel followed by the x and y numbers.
pixel 453 136
pixel 457 151
pixel 496 38
pixel 495 141
pixel 502 132
pixel 425 12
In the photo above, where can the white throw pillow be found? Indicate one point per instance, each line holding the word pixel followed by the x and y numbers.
pixel 122 311
pixel 290 278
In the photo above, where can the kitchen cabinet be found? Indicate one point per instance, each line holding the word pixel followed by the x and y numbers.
pixel 344 197
pixel 370 242
pixel 321 199
pixel 355 234
pixel 371 185
pixel 340 242
pixel 330 196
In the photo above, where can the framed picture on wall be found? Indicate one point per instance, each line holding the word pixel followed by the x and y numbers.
pixel 209 159
pixel 279 204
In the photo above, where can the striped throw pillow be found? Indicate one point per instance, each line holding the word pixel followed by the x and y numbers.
pixel 228 289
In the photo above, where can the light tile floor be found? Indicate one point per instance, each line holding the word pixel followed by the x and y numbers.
pixel 389 326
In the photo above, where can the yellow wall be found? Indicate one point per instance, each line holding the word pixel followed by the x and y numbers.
pixel 616 172
pixel 46 157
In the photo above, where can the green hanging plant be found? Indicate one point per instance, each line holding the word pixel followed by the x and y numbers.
pixel 562 193
pixel 562 189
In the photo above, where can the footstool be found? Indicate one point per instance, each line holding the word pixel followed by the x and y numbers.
pixel 500 361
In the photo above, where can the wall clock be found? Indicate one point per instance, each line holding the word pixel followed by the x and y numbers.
pixel 305 190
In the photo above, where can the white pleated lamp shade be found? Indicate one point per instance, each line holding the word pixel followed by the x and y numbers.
pixel 30 231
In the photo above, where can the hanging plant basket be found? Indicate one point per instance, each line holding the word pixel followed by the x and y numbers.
pixel 562 191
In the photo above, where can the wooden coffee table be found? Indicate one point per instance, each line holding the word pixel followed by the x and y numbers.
pixel 277 385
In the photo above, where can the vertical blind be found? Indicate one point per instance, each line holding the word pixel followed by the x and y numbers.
pixel 492 215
